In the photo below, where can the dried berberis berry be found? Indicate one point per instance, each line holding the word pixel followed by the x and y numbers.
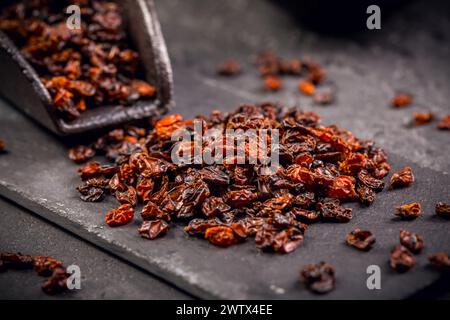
pixel 361 239
pixel 80 154
pixel 229 67
pixel 401 100
pixel 44 266
pixel 421 118
pixel 319 278
pixel 306 87
pixel 153 229
pixel 401 259
pixel 2 146
pixel 440 261
pixel 323 97
pixel 226 203
pixel 444 124
pixel 120 216
pixel 409 211
pixel 272 83
pixel 402 178
pixel 412 241
pixel 92 66
pixel 443 209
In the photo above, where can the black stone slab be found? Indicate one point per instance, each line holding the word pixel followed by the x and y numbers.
pixel 367 71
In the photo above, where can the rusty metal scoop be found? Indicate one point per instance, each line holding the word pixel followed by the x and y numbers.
pixel 20 84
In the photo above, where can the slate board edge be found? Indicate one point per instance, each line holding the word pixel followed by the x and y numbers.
pixel 9 192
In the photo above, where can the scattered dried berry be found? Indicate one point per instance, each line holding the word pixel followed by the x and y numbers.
pixel 440 261
pixel 409 211
pixel 323 97
pixel 2 146
pixel 444 124
pixel 120 216
pixel 83 68
pixel 306 87
pixel 319 278
pixel 361 239
pixel 411 241
pixel 153 229
pixel 401 259
pixel 421 118
pixel 272 83
pixel 401 100
pixel 402 178
pixel 229 67
pixel 443 209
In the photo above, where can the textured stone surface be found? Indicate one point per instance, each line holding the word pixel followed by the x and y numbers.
pixel 410 53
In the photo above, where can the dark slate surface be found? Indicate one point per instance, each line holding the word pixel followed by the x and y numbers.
pixel 102 275
pixel 367 70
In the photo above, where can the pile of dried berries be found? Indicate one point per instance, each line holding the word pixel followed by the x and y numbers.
pixel 44 266
pixel 81 68
pixel 320 167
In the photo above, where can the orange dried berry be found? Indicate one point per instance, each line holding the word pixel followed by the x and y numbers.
pixel 272 83
pixel 168 125
pixel 120 216
pixel 401 100
pixel 221 236
pixel 421 118
pixel 90 170
pixel 143 88
pixel 402 178
pixel 2 145
pixel 306 87
pixel 444 124
pixel 409 211
pixel 343 188
pixel 229 68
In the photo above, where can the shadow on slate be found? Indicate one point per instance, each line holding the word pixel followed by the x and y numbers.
pixel 37 174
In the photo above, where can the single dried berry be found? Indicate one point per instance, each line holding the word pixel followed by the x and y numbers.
pixel 411 241
pixel 90 193
pixel 153 229
pixel 409 211
pixel 444 124
pixel 401 100
pixel 323 97
pixel 272 83
pixel 401 259
pixel 80 154
pixel 361 239
pixel 402 178
pixel 421 118
pixel 306 87
pixel 366 195
pixel 443 209
pixel 319 278
pixel 2 146
pixel 120 216
pixel 440 261
pixel 229 67
pixel 221 236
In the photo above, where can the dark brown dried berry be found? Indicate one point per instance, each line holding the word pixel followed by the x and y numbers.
pixel 90 193
pixel 440 261
pixel 366 179
pixel 409 211
pixel 80 154
pixel 411 241
pixel 402 178
pixel 153 229
pixel 323 97
pixel 2 146
pixel 17 261
pixel 319 278
pixel 443 209
pixel 366 195
pixel 229 67
pixel 152 212
pixel 401 259
pixel 331 209
pixel 57 282
pixel 361 239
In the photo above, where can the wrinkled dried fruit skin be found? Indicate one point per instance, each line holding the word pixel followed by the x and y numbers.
pixel 401 100
pixel 45 266
pixel 330 209
pixel 84 68
pixel 221 236
pixel 401 259
pixel 361 239
pixel 120 216
pixel 443 209
pixel 80 154
pixel 411 241
pixel 409 211
pixel 366 195
pixel 440 261
pixel 319 278
pixel 153 229
pixel 367 180
pixel 402 178
pixel 151 212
